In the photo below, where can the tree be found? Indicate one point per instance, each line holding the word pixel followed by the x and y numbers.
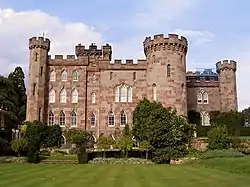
pixel 125 144
pixel 246 115
pixel 167 133
pixel 145 146
pixel 52 135
pixel 17 80
pixel 104 143
pixel 19 145
pixel 218 137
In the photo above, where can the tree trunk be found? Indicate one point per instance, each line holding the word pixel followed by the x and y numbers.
pixel 104 154
pixel 18 154
pixel 146 154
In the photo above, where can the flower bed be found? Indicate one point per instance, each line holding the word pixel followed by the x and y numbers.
pixel 120 161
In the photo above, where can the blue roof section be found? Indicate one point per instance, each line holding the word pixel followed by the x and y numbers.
pixel 205 72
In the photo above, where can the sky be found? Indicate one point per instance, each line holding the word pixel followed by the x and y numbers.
pixel 216 30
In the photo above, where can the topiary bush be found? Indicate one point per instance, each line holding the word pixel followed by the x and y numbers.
pixel 101 160
pixel 220 154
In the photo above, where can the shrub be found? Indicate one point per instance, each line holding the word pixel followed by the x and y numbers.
pixel 19 145
pixel 82 155
pixel 218 138
pixel 120 161
pixel 220 154
pixel 57 153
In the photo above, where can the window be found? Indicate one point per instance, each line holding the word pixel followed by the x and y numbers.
pixel 41 71
pixel 216 78
pixel 154 92
pixel 124 94
pixel 34 88
pixel 207 78
pixel 51 118
pixel 168 70
pixel 153 59
pixel 92 120
pixel 63 96
pixel 111 118
pixel 73 119
pixel 52 96
pixel 93 96
pixel 75 75
pixel 52 76
pixel 62 119
pixel 111 75
pixel 64 76
pixel 74 96
pixel 36 56
pixel 123 118
pixel 117 94
pixel 198 78
pixel 202 97
pixel 205 98
pixel 129 94
pixel 62 140
pixel 205 118
pixel 199 98
pixel 40 114
pixel 134 76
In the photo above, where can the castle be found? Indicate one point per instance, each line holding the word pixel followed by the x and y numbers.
pixel 89 90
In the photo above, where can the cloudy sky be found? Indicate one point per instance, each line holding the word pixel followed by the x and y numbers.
pixel 216 30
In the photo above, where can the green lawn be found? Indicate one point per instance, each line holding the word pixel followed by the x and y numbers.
pixel 210 173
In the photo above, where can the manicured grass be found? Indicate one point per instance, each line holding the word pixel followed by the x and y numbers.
pixel 186 175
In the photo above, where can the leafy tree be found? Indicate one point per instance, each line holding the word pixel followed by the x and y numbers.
pixel 246 115
pixel 214 116
pixel 167 133
pixel 125 144
pixel 218 137
pixel 52 135
pixel 19 145
pixel 17 80
pixel 145 146
pixel 104 143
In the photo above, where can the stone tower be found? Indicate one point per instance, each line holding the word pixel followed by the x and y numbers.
pixel 36 104
pixel 227 84
pixel 166 72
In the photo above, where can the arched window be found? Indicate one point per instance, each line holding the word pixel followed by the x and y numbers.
pixel 130 94
pixel 52 96
pixel 111 118
pixel 62 119
pixel 75 75
pixel 93 97
pixel 123 93
pixel 199 98
pixel 123 119
pixel 205 118
pixel 74 96
pixel 73 119
pixel 168 70
pixel 52 76
pixel 117 94
pixel 134 76
pixel 51 118
pixel 64 75
pixel 63 96
pixel 92 120
pixel 154 92
pixel 110 75
pixel 62 140
pixel 205 98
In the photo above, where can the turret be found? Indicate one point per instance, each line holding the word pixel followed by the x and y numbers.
pixel 227 84
pixel 36 102
pixel 166 71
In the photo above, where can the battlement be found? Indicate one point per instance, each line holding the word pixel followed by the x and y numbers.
pixel 226 65
pixel 105 51
pixel 173 42
pixel 62 57
pixel 39 42
pixel 128 64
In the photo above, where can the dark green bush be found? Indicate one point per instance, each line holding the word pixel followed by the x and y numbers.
pixel 220 154
pixel 82 155
pixel 33 156
pixel 218 138
pixel 202 131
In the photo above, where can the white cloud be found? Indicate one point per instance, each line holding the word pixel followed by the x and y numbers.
pixel 17 27
pixel 196 37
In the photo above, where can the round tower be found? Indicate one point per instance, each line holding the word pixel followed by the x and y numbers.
pixel 39 48
pixel 227 84
pixel 166 71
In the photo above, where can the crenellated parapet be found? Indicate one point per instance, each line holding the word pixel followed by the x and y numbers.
pixel 226 65
pixel 105 51
pixel 68 60
pixel 159 42
pixel 39 42
pixel 62 57
pixel 128 64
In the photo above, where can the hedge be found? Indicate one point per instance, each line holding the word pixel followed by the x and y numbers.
pixel 202 131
